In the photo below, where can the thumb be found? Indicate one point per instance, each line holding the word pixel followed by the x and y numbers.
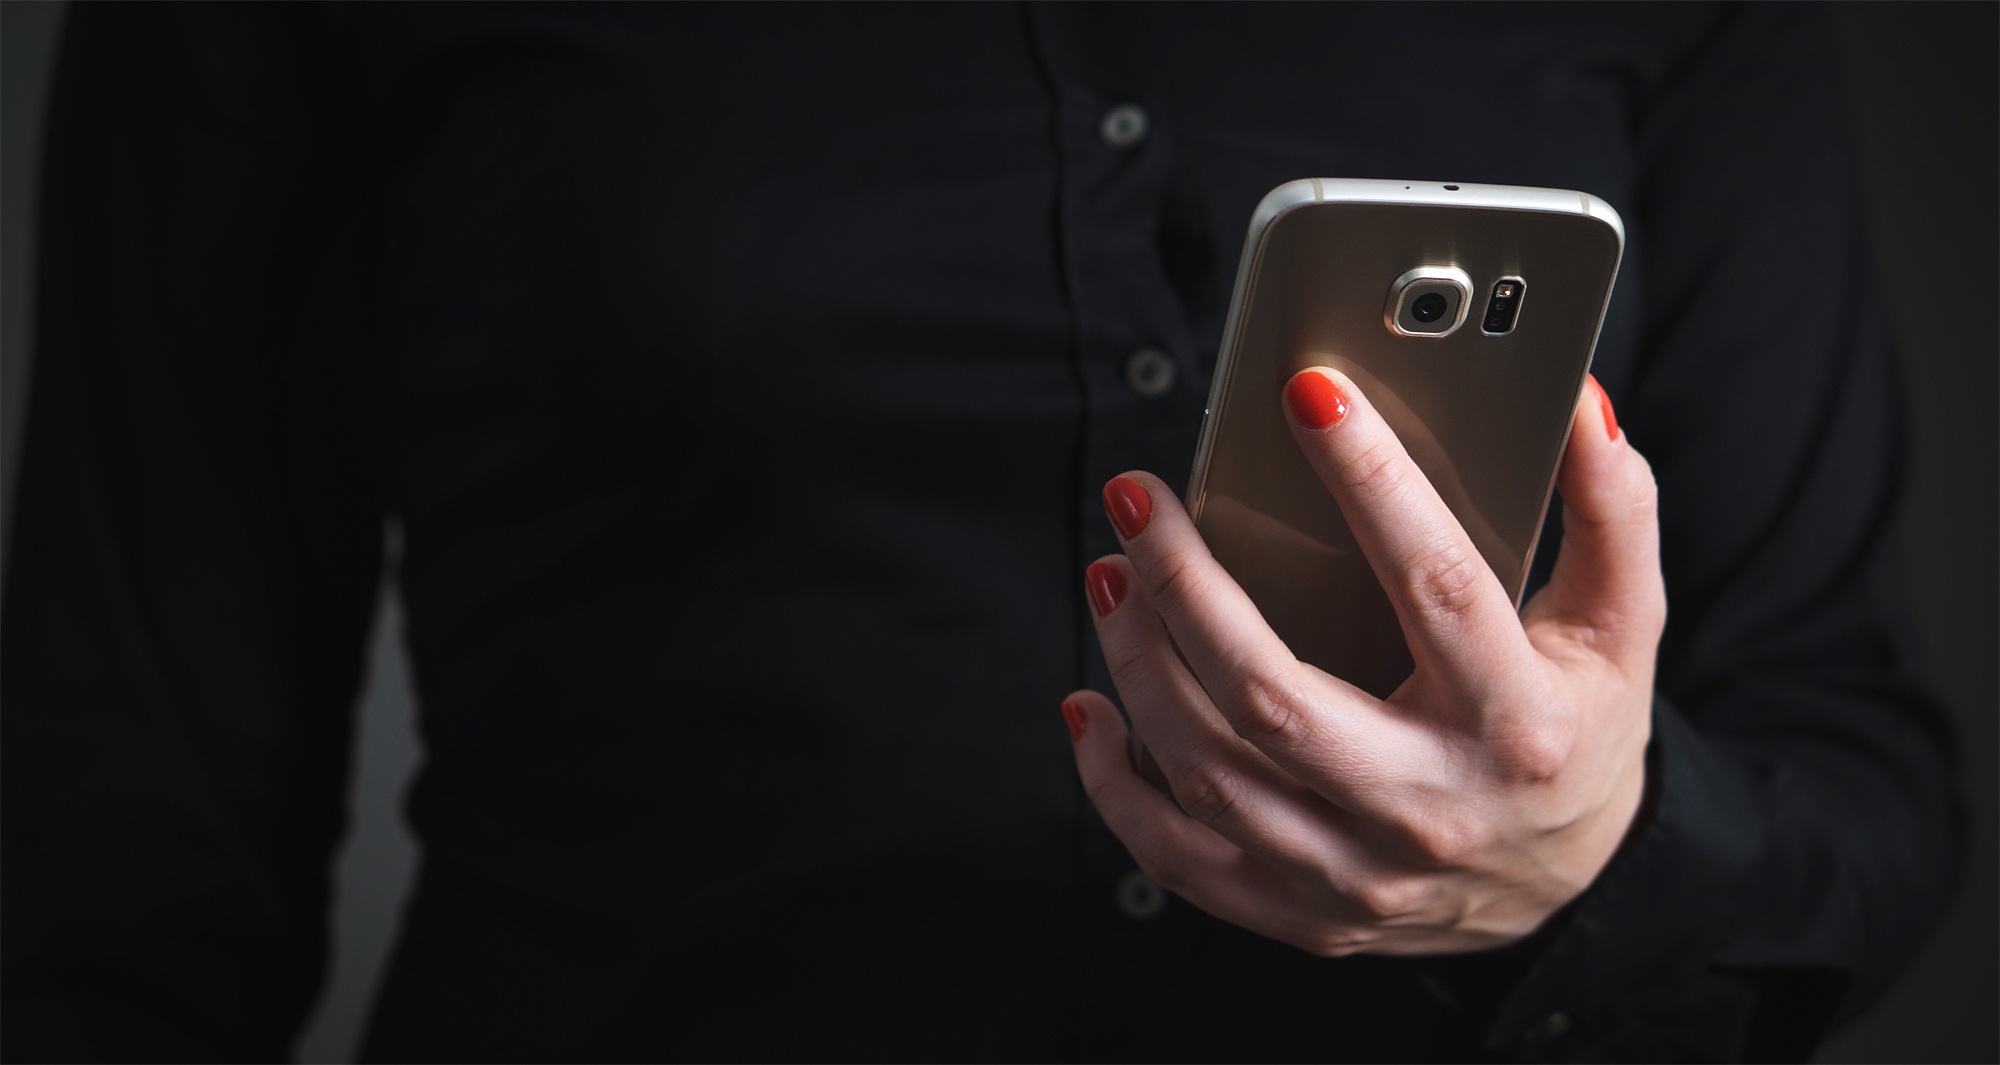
pixel 1606 589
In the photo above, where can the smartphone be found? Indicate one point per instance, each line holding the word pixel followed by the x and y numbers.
pixel 1468 315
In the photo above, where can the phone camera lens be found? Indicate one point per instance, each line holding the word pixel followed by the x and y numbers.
pixel 1429 301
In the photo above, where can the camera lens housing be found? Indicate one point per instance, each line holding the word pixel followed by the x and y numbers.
pixel 1429 301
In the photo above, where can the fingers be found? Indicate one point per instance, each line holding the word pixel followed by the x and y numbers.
pixel 1216 624
pixel 1459 622
pixel 1320 730
pixel 1217 778
pixel 1606 588
pixel 1321 911
pixel 1183 855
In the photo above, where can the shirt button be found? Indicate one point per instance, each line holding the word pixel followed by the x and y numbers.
pixel 1139 897
pixel 1150 372
pixel 1123 126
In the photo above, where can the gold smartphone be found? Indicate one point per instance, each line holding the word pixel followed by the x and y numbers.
pixel 1468 315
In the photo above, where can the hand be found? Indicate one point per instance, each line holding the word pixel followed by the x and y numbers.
pixel 1458 814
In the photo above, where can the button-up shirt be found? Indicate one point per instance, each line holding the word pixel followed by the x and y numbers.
pixel 739 381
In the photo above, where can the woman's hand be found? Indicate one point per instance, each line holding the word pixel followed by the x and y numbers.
pixel 1456 815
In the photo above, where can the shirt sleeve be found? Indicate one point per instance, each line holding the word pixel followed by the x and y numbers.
pixel 1802 828
pixel 196 547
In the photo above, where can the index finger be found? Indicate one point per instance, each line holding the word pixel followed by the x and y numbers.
pixel 1458 619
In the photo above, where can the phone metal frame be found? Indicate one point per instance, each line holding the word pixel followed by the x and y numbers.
pixel 1303 191
pixel 1488 433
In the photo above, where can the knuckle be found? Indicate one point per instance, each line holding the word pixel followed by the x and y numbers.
pixel 1332 876
pixel 1448 839
pixel 1133 664
pixel 1641 503
pixel 1535 752
pixel 1208 790
pixel 1335 944
pixel 1645 482
pixel 1265 708
pixel 1446 581
pixel 1643 510
pixel 1646 499
pixel 1631 497
pixel 1162 867
pixel 1175 579
pixel 1653 615
pixel 1384 898
pixel 1374 472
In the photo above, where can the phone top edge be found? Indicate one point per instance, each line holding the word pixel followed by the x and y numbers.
pixel 1464 194
pixel 1291 194
pixel 1604 212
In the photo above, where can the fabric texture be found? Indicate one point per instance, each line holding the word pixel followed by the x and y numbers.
pixel 739 381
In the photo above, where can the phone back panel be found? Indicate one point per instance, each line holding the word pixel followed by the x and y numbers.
pixel 1486 417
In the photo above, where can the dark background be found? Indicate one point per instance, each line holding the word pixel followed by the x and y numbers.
pixel 1922 86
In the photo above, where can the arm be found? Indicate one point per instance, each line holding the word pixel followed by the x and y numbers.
pixel 196 549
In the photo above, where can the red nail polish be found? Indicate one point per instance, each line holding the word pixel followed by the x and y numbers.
pixel 1106 587
pixel 1128 505
pixel 1316 401
pixel 1073 716
pixel 1604 405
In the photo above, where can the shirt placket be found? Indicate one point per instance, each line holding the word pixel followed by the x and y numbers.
pixel 1132 341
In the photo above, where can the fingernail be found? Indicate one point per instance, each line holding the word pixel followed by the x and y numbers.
pixel 1128 505
pixel 1315 400
pixel 1106 587
pixel 1074 717
pixel 1604 405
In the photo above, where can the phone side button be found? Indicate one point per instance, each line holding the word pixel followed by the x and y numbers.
pixel 1150 372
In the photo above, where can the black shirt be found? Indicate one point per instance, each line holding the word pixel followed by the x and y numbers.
pixel 740 380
